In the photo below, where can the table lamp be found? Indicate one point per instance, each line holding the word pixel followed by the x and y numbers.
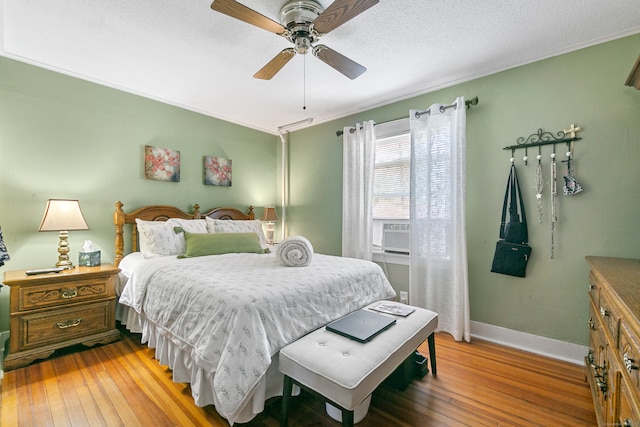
pixel 62 216
pixel 269 216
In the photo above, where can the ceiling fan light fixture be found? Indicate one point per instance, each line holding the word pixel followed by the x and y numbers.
pixel 303 44
pixel 299 12
pixel 303 22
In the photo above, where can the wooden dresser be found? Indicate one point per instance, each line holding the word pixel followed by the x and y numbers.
pixel 613 361
pixel 55 310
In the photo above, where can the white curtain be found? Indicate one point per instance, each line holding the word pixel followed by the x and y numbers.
pixel 438 272
pixel 358 149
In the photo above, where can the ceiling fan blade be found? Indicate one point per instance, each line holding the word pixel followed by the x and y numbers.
pixel 339 12
pixel 276 64
pixel 338 61
pixel 239 11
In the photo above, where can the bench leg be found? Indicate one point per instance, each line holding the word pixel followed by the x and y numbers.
pixel 286 396
pixel 432 353
pixel 347 418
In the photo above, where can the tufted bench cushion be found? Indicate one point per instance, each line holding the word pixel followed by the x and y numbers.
pixel 345 371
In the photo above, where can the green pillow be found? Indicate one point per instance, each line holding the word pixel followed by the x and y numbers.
pixel 201 244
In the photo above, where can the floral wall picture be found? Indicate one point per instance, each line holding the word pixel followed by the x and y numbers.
pixel 161 164
pixel 217 171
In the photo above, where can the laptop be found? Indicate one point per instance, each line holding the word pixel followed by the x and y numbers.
pixel 361 325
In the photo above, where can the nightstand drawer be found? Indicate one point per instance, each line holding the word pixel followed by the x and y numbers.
pixel 65 324
pixel 63 293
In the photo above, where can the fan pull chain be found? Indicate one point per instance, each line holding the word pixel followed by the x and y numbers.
pixel 304 82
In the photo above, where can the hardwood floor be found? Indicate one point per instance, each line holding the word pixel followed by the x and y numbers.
pixel 121 384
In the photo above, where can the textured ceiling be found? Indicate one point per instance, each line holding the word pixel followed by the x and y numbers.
pixel 183 53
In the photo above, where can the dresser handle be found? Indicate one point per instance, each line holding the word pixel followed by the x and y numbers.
pixel 602 386
pixel 603 312
pixel 627 423
pixel 628 363
pixel 68 323
pixel 69 293
pixel 592 324
pixel 590 358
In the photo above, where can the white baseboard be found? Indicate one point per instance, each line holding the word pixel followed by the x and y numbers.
pixel 4 336
pixel 555 349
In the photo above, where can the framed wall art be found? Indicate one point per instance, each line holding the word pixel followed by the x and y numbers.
pixel 161 164
pixel 217 171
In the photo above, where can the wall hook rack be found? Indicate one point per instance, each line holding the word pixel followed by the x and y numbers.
pixel 541 137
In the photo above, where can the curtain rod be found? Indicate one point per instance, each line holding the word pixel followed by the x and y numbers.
pixel 468 103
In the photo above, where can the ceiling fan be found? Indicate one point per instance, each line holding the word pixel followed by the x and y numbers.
pixel 302 22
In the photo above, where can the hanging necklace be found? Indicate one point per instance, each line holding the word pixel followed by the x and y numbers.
pixel 554 193
pixel 539 185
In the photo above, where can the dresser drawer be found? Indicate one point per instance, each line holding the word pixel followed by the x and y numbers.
pixel 594 288
pixel 55 294
pixel 596 337
pixel 65 324
pixel 629 350
pixel 610 317
pixel 628 411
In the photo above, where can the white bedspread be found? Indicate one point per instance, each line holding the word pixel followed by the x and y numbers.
pixel 233 312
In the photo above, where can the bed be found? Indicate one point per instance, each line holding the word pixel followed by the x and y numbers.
pixel 219 321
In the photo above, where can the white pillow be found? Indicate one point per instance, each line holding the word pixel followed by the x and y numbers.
pixel 157 238
pixel 236 226
pixel 190 225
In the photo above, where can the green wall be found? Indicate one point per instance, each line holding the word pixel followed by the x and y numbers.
pixel 585 87
pixel 61 137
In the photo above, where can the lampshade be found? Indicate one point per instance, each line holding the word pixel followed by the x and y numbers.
pixel 63 215
pixel 270 214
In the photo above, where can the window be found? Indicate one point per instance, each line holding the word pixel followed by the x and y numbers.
pixel 392 171
pixel 391 191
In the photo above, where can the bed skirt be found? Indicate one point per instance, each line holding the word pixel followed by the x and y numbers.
pixel 179 360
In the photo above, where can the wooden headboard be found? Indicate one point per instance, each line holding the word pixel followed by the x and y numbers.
pixel 163 213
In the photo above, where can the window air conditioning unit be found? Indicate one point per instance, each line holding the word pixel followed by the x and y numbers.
pixel 395 238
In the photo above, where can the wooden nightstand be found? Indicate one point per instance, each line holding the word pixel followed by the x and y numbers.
pixel 55 310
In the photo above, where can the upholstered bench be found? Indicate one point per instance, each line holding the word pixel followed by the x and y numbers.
pixel 346 372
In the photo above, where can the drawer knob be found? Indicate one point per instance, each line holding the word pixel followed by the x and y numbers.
pixel 68 324
pixel 592 324
pixel 629 363
pixel 627 423
pixel 603 312
pixel 69 293
pixel 590 358
pixel 602 386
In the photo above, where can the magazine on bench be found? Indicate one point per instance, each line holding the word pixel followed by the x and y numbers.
pixel 395 308
pixel 361 325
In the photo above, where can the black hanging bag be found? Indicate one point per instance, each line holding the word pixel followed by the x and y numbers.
pixel 512 250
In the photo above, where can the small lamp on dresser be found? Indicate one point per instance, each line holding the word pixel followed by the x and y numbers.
pixel 269 216
pixel 63 216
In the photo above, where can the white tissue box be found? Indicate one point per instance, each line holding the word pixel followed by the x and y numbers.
pixel 89 259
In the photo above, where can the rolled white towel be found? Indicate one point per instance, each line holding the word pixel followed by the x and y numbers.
pixel 295 251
